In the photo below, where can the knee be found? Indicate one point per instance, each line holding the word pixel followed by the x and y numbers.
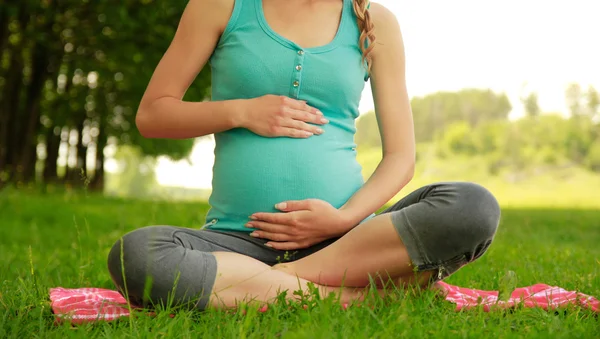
pixel 124 257
pixel 478 208
pixel 128 260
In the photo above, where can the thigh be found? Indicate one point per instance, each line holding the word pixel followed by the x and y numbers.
pixel 412 198
pixel 372 251
pixel 437 228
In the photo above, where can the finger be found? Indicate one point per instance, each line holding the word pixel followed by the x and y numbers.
pixel 299 125
pixel 268 227
pixel 294 205
pixel 301 105
pixel 271 236
pixel 307 117
pixel 272 218
pixel 285 246
pixel 293 133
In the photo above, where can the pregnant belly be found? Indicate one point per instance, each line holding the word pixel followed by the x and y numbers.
pixel 251 173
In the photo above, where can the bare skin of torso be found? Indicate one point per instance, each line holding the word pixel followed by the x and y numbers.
pixel 372 248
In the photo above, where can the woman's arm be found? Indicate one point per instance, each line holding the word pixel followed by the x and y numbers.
pixel 394 117
pixel 163 114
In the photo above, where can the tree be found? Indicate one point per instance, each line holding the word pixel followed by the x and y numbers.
pixel 434 112
pixel 574 99
pixel 593 103
pixel 71 76
pixel 530 103
pixel 458 139
pixel 592 160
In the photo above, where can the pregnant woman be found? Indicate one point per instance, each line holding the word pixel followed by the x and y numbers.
pixel 289 206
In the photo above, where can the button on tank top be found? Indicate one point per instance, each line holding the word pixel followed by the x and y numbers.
pixel 252 173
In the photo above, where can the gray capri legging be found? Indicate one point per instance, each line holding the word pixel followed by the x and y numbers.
pixel 444 226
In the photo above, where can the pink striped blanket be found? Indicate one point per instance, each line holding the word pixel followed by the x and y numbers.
pixel 83 305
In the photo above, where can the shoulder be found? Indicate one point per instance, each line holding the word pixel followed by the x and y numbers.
pixel 213 12
pixel 212 6
pixel 387 28
pixel 383 18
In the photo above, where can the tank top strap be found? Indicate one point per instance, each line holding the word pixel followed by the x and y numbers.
pixel 244 12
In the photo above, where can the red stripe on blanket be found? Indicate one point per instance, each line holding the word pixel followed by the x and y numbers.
pixel 539 295
pixel 83 305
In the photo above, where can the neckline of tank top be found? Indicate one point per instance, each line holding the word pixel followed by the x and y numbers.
pixel 291 44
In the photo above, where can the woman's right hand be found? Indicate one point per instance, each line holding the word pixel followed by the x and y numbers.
pixel 281 116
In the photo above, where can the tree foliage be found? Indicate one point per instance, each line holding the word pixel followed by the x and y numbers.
pixel 71 76
pixel 534 140
pixel 433 113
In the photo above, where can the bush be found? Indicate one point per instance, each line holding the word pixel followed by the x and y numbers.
pixel 592 160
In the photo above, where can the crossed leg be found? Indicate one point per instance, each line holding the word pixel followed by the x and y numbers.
pixel 426 236
pixel 372 250
pixel 447 226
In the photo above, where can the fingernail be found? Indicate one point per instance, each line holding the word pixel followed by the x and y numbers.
pixel 249 225
pixel 254 235
pixel 324 121
pixel 308 134
pixel 319 112
pixel 269 245
pixel 281 206
pixel 253 217
pixel 320 131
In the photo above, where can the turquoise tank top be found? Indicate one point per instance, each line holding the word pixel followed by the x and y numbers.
pixel 252 173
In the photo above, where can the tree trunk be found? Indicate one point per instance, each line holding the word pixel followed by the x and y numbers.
pixel 97 183
pixel 28 169
pixel 10 115
pixel 43 65
pixel 52 145
pixel 9 107
pixel 32 110
pixel 4 115
pixel 82 151
pixel 77 175
pixel 4 21
pixel 71 174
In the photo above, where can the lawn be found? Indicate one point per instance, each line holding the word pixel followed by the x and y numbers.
pixel 62 239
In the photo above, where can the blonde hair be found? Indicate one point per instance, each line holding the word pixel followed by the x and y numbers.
pixel 367 30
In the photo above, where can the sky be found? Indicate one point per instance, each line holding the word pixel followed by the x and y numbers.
pixel 511 46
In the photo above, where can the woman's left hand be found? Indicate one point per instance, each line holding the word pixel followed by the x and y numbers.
pixel 300 225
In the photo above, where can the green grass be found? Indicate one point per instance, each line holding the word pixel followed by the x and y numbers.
pixel 62 239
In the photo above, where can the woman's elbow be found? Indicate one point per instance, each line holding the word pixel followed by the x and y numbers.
pixel 145 121
pixel 141 122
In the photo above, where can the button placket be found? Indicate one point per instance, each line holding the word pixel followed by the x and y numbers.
pixel 297 78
